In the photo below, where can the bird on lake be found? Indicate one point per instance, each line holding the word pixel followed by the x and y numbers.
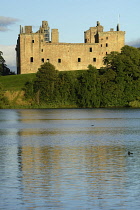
pixel 130 153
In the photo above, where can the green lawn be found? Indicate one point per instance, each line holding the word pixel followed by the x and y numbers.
pixel 15 82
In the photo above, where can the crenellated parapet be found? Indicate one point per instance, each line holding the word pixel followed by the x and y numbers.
pixel 35 48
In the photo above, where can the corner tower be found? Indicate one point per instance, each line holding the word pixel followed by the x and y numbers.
pixel 45 29
pixel 91 35
pixel 34 49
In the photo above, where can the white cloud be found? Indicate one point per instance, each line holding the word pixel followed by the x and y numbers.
pixel 2 28
pixel 5 22
pixel 9 55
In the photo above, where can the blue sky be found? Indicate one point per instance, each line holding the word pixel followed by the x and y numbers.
pixel 71 17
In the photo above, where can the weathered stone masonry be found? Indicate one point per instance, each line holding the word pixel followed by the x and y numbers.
pixel 33 49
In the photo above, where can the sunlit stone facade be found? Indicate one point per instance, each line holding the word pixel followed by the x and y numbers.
pixel 33 49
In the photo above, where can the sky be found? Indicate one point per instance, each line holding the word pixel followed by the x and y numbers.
pixel 70 17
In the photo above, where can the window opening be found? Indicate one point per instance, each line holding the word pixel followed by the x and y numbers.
pixel 106 44
pixel 31 59
pixel 90 49
pixel 79 59
pixel 59 60
pixel 94 59
pixel 33 41
pixel 42 60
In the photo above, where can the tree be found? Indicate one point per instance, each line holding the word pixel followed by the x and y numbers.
pixel 127 62
pixel 110 60
pixel 2 62
pixel 66 94
pixel 88 92
pixel 4 70
pixel 116 84
pixel 120 77
pixel 44 84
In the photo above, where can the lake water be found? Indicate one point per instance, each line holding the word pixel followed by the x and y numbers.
pixel 70 159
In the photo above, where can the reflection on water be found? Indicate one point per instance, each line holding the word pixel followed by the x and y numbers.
pixel 70 159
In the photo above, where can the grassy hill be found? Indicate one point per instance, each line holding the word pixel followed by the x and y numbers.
pixel 12 88
pixel 15 82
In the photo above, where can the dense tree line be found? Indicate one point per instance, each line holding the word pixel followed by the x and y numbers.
pixel 4 70
pixel 115 85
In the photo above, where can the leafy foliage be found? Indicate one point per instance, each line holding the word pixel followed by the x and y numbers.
pixel 44 84
pixel 117 84
pixel 4 70
pixel 119 79
pixel 89 88
pixel 65 89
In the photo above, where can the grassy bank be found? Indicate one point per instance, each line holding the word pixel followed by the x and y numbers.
pixel 15 82
pixel 12 94
pixel 13 86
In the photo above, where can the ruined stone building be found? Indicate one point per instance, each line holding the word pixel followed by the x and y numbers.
pixel 33 49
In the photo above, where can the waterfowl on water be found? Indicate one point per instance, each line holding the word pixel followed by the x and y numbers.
pixel 130 153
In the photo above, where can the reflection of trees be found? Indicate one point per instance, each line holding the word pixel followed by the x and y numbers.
pixel 31 132
pixel 27 115
pixel 38 166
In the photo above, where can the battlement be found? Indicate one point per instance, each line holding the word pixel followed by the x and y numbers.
pixel 44 29
pixel 35 48
pixel 94 34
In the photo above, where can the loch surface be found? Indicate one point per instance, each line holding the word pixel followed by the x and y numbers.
pixel 70 159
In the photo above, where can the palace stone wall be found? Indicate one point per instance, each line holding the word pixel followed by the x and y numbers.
pixel 33 49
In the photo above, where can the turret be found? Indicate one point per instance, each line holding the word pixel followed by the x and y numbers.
pixel 118 27
pixel 55 36
pixel 46 30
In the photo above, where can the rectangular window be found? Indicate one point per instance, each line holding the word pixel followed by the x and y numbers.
pixel 90 49
pixel 31 59
pixel 41 50
pixel 94 59
pixel 101 45
pixel 42 60
pixel 106 44
pixel 79 59
pixel 33 41
pixel 59 60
